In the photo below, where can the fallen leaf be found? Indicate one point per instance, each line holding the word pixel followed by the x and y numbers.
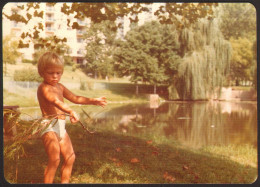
pixel 155 148
pixel 113 159
pixel 185 167
pixel 168 177
pixel 149 141
pixel 118 149
pixel 118 164
pixel 155 153
pixel 135 160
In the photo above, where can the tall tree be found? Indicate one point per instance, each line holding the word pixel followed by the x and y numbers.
pixel 205 62
pixel 242 60
pixel 100 38
pixel 10 51
pixel 238 20
pixel 148 54
pixel 238 25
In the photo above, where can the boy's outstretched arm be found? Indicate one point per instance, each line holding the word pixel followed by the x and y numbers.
pixel 101 101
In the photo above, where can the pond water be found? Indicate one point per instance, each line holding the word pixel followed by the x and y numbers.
pixel 194 124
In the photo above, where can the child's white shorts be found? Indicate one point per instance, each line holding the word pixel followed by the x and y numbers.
pixel 59 127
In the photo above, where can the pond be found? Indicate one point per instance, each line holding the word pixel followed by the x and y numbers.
pixel 195 124
pixel 145 143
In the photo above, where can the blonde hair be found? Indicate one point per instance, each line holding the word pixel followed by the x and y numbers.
pixel 47 59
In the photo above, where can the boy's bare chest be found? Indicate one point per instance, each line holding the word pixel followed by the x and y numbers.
pixel 58 92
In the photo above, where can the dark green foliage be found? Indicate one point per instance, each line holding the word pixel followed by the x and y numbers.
pixel 27 75
pixel 205 62
pixel 148 54
pixel 54 44
pixel 238 20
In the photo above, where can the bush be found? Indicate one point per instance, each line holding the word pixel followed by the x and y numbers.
pixel 75 67
pixel 27 74
pixel 28 61
pixel 82 85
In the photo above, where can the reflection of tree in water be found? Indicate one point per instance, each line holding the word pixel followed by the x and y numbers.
pixel 195 124
pixel 202 124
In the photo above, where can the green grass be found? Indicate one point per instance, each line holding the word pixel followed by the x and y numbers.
pixel 27 97
pixel 110 157
pixel 23 97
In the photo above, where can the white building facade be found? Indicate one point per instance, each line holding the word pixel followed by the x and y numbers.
pixel 55 23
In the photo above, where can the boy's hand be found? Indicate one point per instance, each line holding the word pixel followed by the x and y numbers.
pixel 74 117
pixel 101 101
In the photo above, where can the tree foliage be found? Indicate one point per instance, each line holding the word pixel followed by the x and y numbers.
pixel 242 60
pixel 238 25
pixel 100 39
pixel 10 50
pixel 238 20
pixel 51 43
pixel 148 54
pixel 98 12
pixel 205 61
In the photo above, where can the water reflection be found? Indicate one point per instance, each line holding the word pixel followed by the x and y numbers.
pixel 194 124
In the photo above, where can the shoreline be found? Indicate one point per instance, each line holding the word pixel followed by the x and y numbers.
pixel 164 101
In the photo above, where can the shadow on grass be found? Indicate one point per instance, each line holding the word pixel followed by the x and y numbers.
pixel 106 157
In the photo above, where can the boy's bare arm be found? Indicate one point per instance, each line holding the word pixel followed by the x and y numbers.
pixel 83 100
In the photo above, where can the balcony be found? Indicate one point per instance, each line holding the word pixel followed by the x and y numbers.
pixel 80 32
pixel 50 8
pixel 49 19
pixel 80 40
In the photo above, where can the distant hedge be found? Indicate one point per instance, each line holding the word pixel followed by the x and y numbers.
pixel 28 61
pixel 27 74
pixel 131 88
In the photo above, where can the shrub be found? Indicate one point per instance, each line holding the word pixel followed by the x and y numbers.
pixel 27 74
pixel 75 67
pixel 82 85
pixel 28 61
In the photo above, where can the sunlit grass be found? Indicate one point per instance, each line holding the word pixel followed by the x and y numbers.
pixel 109 157
pixel 23 97
pixel 243 154
pixel 28 98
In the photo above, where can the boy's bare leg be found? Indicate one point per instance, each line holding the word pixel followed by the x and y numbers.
pixel 52 148
pixel 69 158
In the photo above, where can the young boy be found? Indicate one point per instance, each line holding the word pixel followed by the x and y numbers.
pixel 50 96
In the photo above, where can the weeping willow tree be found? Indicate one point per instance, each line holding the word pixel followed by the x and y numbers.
pixel 205 63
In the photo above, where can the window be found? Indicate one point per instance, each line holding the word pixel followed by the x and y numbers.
pixel 80 40
pixel 49 27
pixel 49 7
pixel 79 61
pixel 80 52
pixel 15 24
pixel 79 31
pixel 49 17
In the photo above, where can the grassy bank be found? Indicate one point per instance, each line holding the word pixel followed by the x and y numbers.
pixel 110 157
pixel 28 97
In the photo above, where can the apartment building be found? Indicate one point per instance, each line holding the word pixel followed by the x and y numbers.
pixel 55 22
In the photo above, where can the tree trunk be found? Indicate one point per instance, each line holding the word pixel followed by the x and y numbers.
pixel 154 89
